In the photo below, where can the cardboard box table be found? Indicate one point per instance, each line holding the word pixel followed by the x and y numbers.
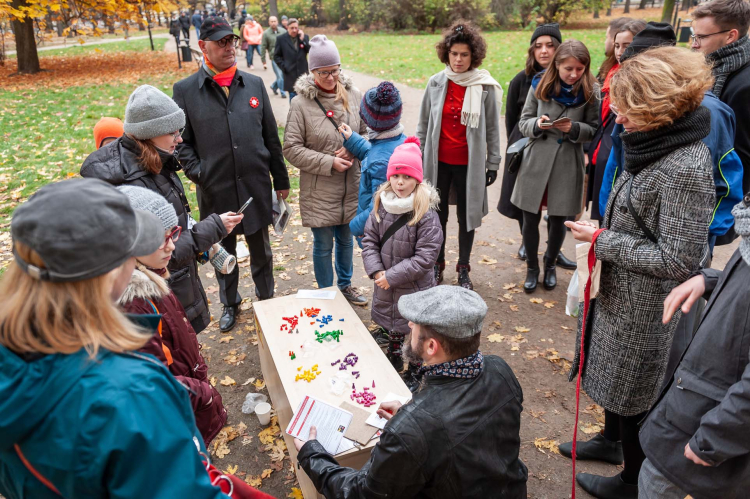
pixel 279 371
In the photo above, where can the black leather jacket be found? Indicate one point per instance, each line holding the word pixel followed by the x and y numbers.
pixel 458 438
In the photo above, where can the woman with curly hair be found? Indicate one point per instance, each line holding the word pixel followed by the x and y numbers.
pixel 460 136
pixel 655 236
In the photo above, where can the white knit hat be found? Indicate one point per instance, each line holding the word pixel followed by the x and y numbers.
pixel 151 113
pixel 146 200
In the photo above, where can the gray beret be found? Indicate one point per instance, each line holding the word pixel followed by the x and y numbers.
pixel 151 113
pixel 147 200
pixel 452 311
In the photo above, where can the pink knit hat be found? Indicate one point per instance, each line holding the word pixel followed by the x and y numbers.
pixel 406 160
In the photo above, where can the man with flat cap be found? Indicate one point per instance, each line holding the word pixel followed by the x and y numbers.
pixel 231 150
pixel 459 436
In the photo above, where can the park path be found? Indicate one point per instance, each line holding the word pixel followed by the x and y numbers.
pixel 97 42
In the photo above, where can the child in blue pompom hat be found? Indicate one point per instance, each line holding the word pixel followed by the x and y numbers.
pixel 381 111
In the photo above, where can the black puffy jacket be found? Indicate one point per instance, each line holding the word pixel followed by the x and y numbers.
pixel 458 438
pixel 117 163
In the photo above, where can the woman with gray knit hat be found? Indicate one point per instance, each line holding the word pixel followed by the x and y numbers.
pixel 144 156
pixel 329 174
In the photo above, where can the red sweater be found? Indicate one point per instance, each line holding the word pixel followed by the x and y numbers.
pixel 453 148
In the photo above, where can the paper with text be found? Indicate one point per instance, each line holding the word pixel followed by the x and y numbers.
pixel 331 423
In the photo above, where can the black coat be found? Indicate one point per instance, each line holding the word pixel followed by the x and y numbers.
pixel 452 441
pixel 707 401
pixel 229 147
pixel 517 92
pixel 291 60
pixel 184 21
pixel 736 94
pixel 603 140
pixel 117 163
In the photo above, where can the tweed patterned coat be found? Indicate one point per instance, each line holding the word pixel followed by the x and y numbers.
pixel 627 346
pixel 407 258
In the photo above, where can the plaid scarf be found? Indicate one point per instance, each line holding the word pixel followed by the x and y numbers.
pixel 465 368
pixel 727 60
pixel 223 78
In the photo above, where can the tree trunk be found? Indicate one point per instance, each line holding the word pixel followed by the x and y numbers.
pixel 596 13
pixel 609 10
pixel 642 5
pixel 343 24
pixel 317 17
pixel 666 11
pixel 26 54
pixel 627 7
pixel 686 5
pixel 273 7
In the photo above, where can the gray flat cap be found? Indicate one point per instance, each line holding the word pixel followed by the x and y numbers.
pixel 452 311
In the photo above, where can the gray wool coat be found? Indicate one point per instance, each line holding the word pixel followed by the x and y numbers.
pixel 483 142
pixel 407 258
pixel 554 159
pixel 627 345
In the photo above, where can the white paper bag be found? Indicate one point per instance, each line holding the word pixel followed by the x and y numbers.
pixel 571 306
pixel 582 257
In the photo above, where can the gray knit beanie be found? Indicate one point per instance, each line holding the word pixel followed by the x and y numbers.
pixel 151 113
pixel 146 200
pixel 323 53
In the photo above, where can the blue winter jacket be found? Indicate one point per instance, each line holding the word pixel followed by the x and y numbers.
pixel 119 426
pixel 374 156
pixel 727 165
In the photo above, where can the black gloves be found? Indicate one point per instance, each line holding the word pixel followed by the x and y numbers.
pixel 491 177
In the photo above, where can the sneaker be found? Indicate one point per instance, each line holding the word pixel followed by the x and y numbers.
pixel 463 276
pixel 381 337
pixel 252 67
pixel 276 91
pixel 283 95
pixel 354 296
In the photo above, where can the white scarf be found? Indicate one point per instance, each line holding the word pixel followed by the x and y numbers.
pixel 396 205
pixel 473 79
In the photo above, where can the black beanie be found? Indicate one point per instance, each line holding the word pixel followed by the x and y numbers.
pixel 552 29
pixel 653 35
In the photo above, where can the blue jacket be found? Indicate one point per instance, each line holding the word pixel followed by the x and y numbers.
pixel 727 165
pixel 374 156
pixel 197 20
pixel 119 426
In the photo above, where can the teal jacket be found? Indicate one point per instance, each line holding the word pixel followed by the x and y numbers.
pixel 119 426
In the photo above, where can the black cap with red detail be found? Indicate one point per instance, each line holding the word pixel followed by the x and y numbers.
pixel 215 28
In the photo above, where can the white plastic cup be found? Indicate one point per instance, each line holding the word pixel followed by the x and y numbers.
pixel 263 410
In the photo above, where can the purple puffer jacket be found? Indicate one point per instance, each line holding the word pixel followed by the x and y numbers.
pixel 407 258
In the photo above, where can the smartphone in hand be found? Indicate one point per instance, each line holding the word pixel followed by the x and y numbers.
pixel 247 203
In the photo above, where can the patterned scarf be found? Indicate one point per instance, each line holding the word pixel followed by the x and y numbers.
pixel 223 78
pixel 727 60
pixel 386 134
pixel 464 368
pixel 741 214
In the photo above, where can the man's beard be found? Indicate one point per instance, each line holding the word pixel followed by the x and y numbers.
pixel 408 354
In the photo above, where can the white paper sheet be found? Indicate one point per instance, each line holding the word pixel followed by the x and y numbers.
pixel 377 421
pixel 331 423
pixel 317 294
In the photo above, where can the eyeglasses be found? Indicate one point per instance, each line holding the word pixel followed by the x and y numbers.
pixel 177 134
pixel 326 74
pixel 174 236
pixel 224 41
pixel 614 110
pixel 697 39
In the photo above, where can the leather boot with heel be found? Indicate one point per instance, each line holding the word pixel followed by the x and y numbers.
pixel 596 449
pixel 550 275
pixel 532 278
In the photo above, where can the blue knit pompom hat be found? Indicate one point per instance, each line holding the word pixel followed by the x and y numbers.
pixel 381 107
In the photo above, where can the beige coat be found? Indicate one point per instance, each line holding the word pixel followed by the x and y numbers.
pixel 327 197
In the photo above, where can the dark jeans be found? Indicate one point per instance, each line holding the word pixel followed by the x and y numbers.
pixel 625 429
pixel 249 53
pixel 454 175
pixel 292 95
pixel 186 34
pixel 261 268
pixel 530 230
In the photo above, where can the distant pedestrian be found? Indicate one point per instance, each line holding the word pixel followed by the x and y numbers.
pixel 185 25
pixel 252 34
pixel 197 20
pixel 459 131
pixel 107 130
pixel 284 22
pixel 609 46
pixel 552 171
pixel 268 46
pixel 291 55
pixel 242 20
pixel 175 28
pixel 231 151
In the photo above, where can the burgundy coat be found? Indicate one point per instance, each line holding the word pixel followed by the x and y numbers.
pixel 407 258
pixel 187 366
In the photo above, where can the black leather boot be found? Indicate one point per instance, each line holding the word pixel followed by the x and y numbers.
pixel 566 263
pixel 532 278
pixel 550 276
pixel 596 449
pixel 522 253
pixel 439 269
pixel 228 318
pixel 607 487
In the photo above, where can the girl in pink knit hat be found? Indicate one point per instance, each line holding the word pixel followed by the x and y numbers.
pixel 400 246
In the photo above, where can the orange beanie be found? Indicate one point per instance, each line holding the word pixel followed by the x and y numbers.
pixel 107 128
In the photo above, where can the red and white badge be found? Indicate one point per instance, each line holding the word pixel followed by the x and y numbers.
pixel 301 45
pixel 329 114
pixel 254 102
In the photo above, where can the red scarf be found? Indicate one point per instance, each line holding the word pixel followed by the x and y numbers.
pixel 223 78
pixel 605 105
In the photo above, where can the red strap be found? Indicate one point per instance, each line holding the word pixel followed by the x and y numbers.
pixel 34 472
pixel 586 300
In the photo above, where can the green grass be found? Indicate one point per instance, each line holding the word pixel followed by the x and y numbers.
pixel 122 46
pixel 411 59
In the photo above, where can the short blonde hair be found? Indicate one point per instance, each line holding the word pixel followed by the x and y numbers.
pixel 47 317
pixel 660 85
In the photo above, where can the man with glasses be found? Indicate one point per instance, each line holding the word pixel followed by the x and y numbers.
pixel 720 32
pixel 231 150
pixel 290 54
